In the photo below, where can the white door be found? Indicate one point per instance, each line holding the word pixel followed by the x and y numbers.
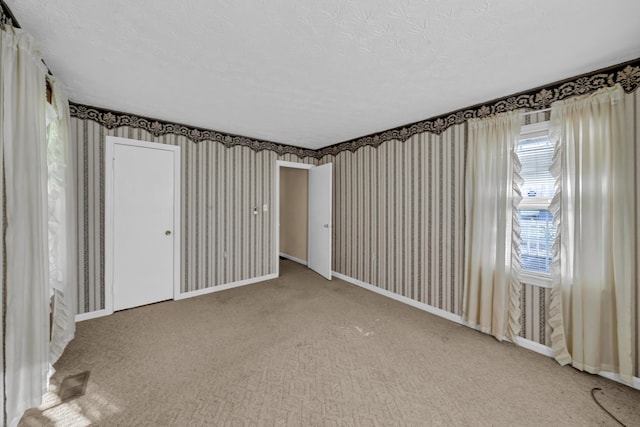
pixel 320 228
pixel 143 225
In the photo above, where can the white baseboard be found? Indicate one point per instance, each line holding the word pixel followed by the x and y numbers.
pixel 211 289
pixel 535 346
pixel 92 315
pixel 292 258
pixel 616 377
pixel 422 306
pixel 103 312
pixel 522 342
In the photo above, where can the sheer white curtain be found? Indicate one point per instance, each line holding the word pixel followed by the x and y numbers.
pixel 491 295
pixel 63 237
pixel 593 269
pixel 23 141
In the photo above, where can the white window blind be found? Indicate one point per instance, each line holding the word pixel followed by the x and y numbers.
pixel 536 156
pixel 537 232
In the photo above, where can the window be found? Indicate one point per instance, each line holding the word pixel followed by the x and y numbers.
pixel 537 232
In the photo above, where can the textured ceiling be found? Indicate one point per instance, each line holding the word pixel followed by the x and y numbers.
pixel 314 73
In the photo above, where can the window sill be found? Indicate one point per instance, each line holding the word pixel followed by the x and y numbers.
pixel 539 280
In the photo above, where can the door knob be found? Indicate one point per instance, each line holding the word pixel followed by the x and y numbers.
pixel 167 233
pixel 326 226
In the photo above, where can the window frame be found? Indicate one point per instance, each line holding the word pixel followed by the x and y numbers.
pixel 531 131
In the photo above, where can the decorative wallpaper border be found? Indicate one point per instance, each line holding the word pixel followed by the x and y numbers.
pixel 113 119
pixel 626 74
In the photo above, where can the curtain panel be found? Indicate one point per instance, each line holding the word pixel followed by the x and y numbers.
pixel 62 216
pixel 593 268
pixel 491 294
pixel 23 144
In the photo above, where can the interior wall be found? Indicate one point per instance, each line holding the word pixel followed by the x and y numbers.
pixel 399 216
pixel 294 206
pixel 399 220
pixel 222 240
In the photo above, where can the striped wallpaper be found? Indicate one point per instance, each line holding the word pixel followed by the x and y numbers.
pixel 399 216
pixel 534 314
pixel 222 241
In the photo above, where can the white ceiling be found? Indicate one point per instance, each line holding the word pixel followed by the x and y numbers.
pixel 314 73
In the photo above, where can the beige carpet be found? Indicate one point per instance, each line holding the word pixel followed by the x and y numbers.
pixel 302 351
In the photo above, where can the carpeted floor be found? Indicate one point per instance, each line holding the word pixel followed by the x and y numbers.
pixel 302 351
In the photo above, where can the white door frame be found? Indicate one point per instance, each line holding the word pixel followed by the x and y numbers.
pixel 282 164
pixel 111 141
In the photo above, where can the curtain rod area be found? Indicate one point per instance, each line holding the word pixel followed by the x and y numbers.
pixel 526 113
pixel 7 15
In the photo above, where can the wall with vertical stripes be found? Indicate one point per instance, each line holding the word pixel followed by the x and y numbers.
pixel 534 314
pixel 222 241
pixel 399 216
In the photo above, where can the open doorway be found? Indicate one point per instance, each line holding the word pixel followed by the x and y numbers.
pixel 303 201
pixel 294 213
